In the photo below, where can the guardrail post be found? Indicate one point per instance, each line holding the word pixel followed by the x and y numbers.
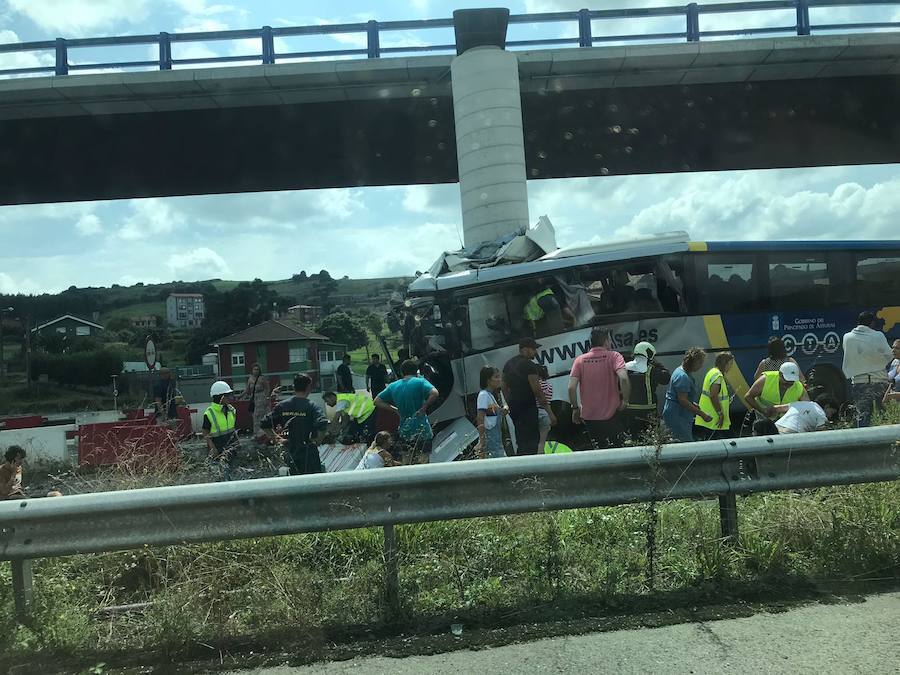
pixel 165 51
pixel 392 571
pixel 268 46
pixel 803 27
pixel 374 42
pixel 62 57
pixel 23 587
pixel 728 517
pixel 693 22
pixel 585 39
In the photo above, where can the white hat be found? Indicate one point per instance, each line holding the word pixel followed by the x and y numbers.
pixel 219 388
pixel 790 371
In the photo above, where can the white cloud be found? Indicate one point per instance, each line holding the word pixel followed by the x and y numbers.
pixel 150 218
pixel 89 224
pixel 77 17
pixel 9 286
pixel 200 263
pixel 437 201
pixel 10 61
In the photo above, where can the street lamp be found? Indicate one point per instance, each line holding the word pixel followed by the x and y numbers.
pixel 3 310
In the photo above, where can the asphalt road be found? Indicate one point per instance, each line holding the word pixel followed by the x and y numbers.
pixel 860 637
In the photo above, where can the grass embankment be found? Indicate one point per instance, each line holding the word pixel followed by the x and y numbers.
pixel 17 399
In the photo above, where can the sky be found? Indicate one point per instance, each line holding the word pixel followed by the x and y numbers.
pixel 355 231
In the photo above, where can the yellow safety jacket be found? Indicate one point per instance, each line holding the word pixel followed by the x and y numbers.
pixel 221 420
pixel 706 405
pixel 771 393
pixel 532 310
pixel 359 406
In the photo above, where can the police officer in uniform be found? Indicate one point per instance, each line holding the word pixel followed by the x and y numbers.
pixel 302 421
pixel 645 375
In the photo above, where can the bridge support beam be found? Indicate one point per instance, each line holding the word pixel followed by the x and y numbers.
pixel 490 142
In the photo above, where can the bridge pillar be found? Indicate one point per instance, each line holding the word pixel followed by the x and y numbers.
pixel 490 144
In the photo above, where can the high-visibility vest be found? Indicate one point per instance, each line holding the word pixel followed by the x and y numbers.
pixel 555 448
pixel 647 381
pixel 533 311
pixel 359 406
pixel 221 422
pixel 771 393
pixel 706 404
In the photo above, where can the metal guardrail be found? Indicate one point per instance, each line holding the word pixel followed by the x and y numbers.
pixel 373 30
pixel 133 519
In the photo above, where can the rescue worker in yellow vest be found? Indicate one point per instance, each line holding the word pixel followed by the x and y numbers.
pixel 715 400
pixel 354 415
pixel 542 311
pixel 776 387
pixel 644 375
pixel 219 431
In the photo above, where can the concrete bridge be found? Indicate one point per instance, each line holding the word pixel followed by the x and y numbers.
pixel 736 104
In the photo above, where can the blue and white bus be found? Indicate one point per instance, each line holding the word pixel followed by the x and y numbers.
pixel 666 289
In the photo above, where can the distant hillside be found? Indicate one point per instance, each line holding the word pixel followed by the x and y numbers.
pixel 141 299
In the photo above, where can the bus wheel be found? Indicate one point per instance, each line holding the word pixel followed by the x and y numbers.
pixel 826 379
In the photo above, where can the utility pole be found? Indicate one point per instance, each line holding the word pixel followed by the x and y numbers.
pixel 28 351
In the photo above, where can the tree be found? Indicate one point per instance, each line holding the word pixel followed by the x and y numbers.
pixel 344 329
pixel 373 322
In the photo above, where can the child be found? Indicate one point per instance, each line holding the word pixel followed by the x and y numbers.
pixel 378 455
pixel 543 417
pixel 490 412
pixel 11 473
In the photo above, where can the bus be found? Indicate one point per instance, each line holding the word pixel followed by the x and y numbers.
pixel 665 289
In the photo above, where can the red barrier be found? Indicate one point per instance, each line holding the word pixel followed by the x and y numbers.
pixel 100 444
pixel 243 420
pixel 25 422
pixel 185 428
pixel 138 414
pixel 386 420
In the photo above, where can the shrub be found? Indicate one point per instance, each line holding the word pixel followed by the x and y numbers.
pixel 90 368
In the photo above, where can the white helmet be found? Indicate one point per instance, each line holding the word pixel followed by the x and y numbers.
pixel 644 349
pixel 219 388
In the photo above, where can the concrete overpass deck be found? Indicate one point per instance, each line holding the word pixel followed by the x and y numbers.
pixel 749 103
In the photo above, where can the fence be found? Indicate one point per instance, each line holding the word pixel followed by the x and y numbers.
pixel 372 31
pixel 278 506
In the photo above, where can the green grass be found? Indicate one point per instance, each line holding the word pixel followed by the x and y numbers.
pixel 138 309
pixel 17 399
pixel 489 571
pixel 360 358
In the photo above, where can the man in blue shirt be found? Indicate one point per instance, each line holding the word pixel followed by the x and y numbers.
pixel 411 397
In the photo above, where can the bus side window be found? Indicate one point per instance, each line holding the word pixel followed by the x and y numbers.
pixel 798 281
pixel 726 283
pixel 877 280
pixel 489 323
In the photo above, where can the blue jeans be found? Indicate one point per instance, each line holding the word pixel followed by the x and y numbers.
pixel 494 442
pixel 866 397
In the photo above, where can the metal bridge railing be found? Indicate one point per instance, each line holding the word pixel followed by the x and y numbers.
pixel 584 19
pixel 132 519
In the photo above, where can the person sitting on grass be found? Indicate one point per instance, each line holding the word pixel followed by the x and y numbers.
pixel 11 473
pixel 379 455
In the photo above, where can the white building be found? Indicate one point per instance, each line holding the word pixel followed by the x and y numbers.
pixel 184 310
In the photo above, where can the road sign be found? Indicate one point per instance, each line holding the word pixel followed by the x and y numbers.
pixel 150 354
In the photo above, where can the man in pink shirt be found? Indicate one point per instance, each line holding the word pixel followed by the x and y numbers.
pixel 599 376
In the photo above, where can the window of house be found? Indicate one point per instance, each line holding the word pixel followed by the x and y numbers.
pixel 61 330
pixel 237 358
pixel 82 330
pixel 877 280
pixel 798 281
pixel 327 356
pixel 298 354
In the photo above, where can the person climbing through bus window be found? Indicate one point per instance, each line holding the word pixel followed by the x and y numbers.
pixel 490 414
pixel 542 311
pixel 543 417
pixel 599 380
pixel 680 407
pixel 714 398
pixel 774 388
pixel 776 355
pixel 304 422
pixel 645 375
